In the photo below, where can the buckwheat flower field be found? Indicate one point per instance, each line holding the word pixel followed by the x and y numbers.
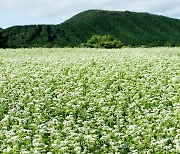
pixel 90 101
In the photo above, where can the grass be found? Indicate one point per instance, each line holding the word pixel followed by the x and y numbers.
pixel 90 100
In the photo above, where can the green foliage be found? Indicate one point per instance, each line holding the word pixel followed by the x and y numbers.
pixel 133 29
pixel 3 40
pixel 62 101
pixel 106 41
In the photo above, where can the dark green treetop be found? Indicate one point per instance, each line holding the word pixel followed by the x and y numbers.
pixel 105 41
pixel 3 40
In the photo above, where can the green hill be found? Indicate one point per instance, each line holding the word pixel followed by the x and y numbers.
pixel 131 28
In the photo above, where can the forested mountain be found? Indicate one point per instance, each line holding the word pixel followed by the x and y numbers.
pixel 131 28
pixel 3 39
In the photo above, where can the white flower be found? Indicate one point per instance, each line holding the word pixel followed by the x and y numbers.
pixel 77 149
pixel 7 150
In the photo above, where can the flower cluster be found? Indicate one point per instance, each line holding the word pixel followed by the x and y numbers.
pixel 89 101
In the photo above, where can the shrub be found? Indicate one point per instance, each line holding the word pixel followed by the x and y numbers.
pixel 106 41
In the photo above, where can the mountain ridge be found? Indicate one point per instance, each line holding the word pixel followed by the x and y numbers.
pixel 132 28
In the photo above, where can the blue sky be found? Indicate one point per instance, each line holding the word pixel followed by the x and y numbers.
pixel 25 12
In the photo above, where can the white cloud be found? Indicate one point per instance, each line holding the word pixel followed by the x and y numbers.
pixel 56 11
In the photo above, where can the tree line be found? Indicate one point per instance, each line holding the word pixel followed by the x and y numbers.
pixel 131 28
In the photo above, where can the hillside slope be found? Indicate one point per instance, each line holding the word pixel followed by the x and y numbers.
pixel 130 27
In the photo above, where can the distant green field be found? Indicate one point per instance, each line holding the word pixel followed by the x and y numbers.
pixel 90 101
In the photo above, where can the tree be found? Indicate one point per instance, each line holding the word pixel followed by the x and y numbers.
pixel 3 41
pixel 106 41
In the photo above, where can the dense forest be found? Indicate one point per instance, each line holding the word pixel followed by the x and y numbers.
pixel 3 39
pixel 132 28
